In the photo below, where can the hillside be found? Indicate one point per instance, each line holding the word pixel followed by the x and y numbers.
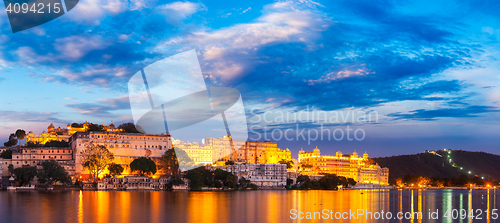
pixel 430 164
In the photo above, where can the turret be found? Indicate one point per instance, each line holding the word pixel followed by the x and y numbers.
pixel 301 151
pixel 316 150
pixel 354 154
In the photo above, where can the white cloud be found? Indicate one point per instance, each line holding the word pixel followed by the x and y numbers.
pixel 332 76
pixel 91 12
pixel 178 11
pixel 246 10
pixel 28 56
pixel 88 12
pixel 116 6
pixel 228 53
pixel 75 47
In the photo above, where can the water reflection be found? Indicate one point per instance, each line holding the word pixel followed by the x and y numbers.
pixel 240 206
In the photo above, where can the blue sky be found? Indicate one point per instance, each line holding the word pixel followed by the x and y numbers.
pixel 428 70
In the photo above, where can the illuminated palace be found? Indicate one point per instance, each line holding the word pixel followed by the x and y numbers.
pixel 63 134
pixel 221 149
pixel 361 169
pixel 125 147
pixel 33 156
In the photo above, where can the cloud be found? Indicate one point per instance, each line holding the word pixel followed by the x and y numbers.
pixel 246 10
pixel 230 53
pixel 346 73
pixel 101 107
pixel 30 116
pixel 176 12
pixel 74 48
pixel 92 12
pixel 432 115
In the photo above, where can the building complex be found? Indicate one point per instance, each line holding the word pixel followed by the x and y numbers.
pixel 361 169
pixel 257 161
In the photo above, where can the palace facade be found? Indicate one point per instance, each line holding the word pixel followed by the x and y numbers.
pixel 360 168
pixel 222 149
pixel 63 134
pixel 33 156
pixel 125 147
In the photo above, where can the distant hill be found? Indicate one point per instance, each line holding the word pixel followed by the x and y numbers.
pixel 437 164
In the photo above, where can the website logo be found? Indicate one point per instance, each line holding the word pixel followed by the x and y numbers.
pixel 25 14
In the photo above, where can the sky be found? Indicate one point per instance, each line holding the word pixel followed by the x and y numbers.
pixel 390 77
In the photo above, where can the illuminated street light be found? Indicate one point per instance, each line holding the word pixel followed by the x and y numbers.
pixel 469 172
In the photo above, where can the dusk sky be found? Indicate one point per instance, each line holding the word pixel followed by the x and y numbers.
pixel 426 73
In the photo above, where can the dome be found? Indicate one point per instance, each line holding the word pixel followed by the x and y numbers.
pixel 316 150
pixel 301 151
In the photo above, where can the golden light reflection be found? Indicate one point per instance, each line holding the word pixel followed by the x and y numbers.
pixel 262 206
pixel 204 207
pixel 125 205
pixel 401 204
pixel 102 206
pixel 488 207
pixel 155 206
pixel 412 207
pixel 420 204
pixel 80 207
pixel 470 206
pixel 272 201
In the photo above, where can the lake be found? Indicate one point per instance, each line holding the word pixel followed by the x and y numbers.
pixel 248 206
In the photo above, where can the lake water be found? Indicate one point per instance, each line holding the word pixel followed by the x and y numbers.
pixel 243 206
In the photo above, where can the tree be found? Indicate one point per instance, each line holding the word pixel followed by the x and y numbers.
pixel 423 181
pixel 329 182
pixel 76 125
pixel 96 158
pixel 145 166
pixel 115 169
pixel 20 134
pixel 229 163
pixel 351 181
pixel 128 127
pixel 244 183
pixel 195 179
pixel 24 174
pixel 12 141
pixel 462 180
pixel 6 154
pixel 302 179
pixel 306 166
pixel 477 181
pixel 11 168
pixel 175 160
pixel 95 128
pixel 399 182
pixel 52 172
pixel 289 163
